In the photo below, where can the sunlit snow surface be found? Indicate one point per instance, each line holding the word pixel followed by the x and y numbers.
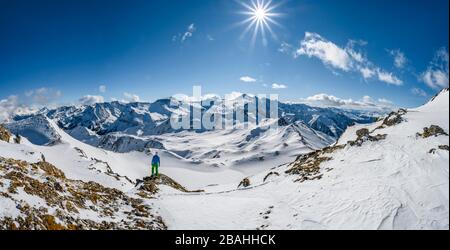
pixel 390 184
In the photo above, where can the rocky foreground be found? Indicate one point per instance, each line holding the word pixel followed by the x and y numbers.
pixel 41 197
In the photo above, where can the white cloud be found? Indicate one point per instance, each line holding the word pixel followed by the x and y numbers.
pixel 42 96
pixel 436 76
pixel 388 78
pixel 131 97
pixel 313 45
pixel 367 99
pixel 435 79
pixel 11 106
pixel 102 88
pixel 365 103
pixel 357 55
pixel 419 92
pixel 287 49
pixel 8 107
pixel 385 101
pixel 183 37
pixel 367 72
pixel 399 58
pixel 347 59
pixel 189 33
pixel 33 100
pixel 91 99
pixel 279 86
pixel 327 100
pixel 210 38
pixel 247 79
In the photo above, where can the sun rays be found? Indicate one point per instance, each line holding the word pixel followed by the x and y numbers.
pixel 261 16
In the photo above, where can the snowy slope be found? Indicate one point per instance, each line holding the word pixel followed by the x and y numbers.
pixel 132 128
pixel 394 183
pixel 234 153
pixel 209 162
pixel 398 180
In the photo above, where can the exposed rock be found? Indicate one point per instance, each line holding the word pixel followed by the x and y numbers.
pixel 150 184
pixel 50 170
pixel 282 122
pixel 360 141
pixel 394 118
pixel 433 130
pixel 270 174
pixel 308 165
pixel 244 183
pixel 402 111
pixel 81 153
pixel 432 151
pixel 5 135
pixel 442 91
pixel 43 157
pixel 363 135
pixel 109 170
pixel 443 147
pixel 17 139
pixel 362 132
pixel 63 199
pixel 379 119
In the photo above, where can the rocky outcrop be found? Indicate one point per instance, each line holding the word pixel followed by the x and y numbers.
pixel 244 183
pixel 441 147
pixel 17 139
pixel 364 135
pixel 438 94
pixel 149 185
pixel 269 175
pixel 308 166
pixel 394 118
pixel 433 130
pixel 5 135
pixel 39 196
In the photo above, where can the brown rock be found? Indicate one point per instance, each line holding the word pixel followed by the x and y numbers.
pixel 245 183
pixel 362 132
pixel 270 174
pixel 5 135
pixel 433 130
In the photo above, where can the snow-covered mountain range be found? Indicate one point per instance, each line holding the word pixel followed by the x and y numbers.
pixel 76 167
pixel 124 127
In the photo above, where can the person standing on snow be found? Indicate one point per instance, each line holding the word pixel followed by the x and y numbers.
pixel 156 161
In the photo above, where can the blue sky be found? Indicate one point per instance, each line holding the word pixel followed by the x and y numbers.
pixel 59 51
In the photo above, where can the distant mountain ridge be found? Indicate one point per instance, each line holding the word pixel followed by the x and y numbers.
pixel 92 123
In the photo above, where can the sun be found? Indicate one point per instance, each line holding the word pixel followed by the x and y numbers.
pixel 261 16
